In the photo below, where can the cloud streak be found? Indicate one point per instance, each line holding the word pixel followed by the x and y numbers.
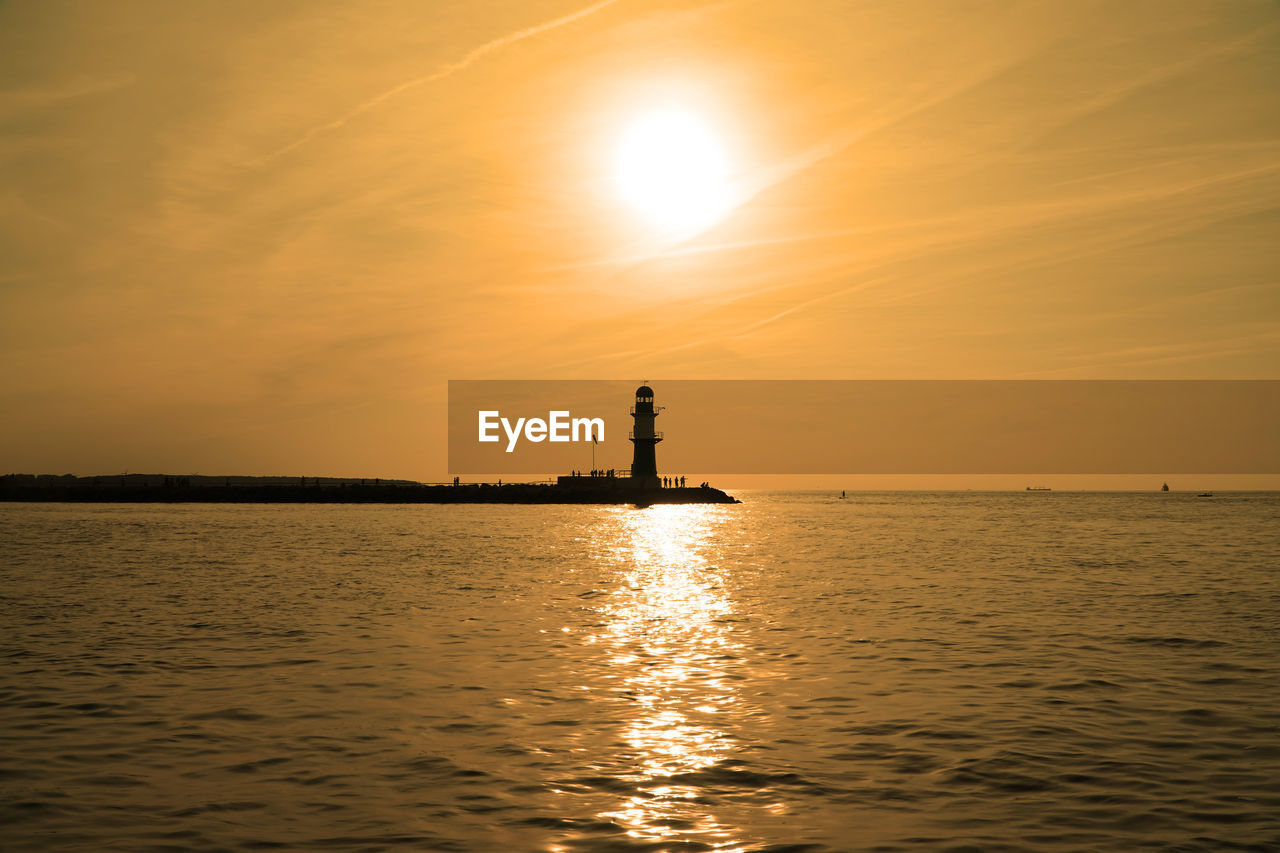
pixel 1008 221
pixel 472 57
pixel 1156 76
pixel 64 91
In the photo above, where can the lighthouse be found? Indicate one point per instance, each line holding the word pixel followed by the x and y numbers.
pixel 644 464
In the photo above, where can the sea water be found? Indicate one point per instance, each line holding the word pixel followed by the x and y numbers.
pixel 891 672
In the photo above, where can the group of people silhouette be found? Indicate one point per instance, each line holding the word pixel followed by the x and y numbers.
pixel 667 482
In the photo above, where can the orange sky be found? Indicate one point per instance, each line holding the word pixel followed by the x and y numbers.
pixel 260 237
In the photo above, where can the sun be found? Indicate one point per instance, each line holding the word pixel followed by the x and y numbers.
pixel 673 170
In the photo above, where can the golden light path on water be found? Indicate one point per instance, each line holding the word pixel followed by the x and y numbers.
pixel 670 644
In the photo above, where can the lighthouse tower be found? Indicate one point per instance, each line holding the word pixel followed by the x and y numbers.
pixel 644 465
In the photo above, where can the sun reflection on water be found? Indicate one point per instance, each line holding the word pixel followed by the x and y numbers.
pixel 669 630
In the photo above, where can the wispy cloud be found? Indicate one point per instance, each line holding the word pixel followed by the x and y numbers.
pixel 64 90
pixel 1211 348
pixel 472 57
pixel 1155 76
pixel 989 224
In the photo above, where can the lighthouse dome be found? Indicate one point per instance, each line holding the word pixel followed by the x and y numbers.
pixel 644 391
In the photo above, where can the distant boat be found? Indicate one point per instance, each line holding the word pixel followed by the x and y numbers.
pixel 1165 487
pixel 1039 489
pixel 1205 495
pixel 842 494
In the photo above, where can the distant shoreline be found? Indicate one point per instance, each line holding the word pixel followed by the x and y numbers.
pixel 161 488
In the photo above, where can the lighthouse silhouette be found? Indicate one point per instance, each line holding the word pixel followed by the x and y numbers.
pixel 644 463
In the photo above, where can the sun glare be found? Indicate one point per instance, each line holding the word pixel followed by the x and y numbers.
pixel 672 169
